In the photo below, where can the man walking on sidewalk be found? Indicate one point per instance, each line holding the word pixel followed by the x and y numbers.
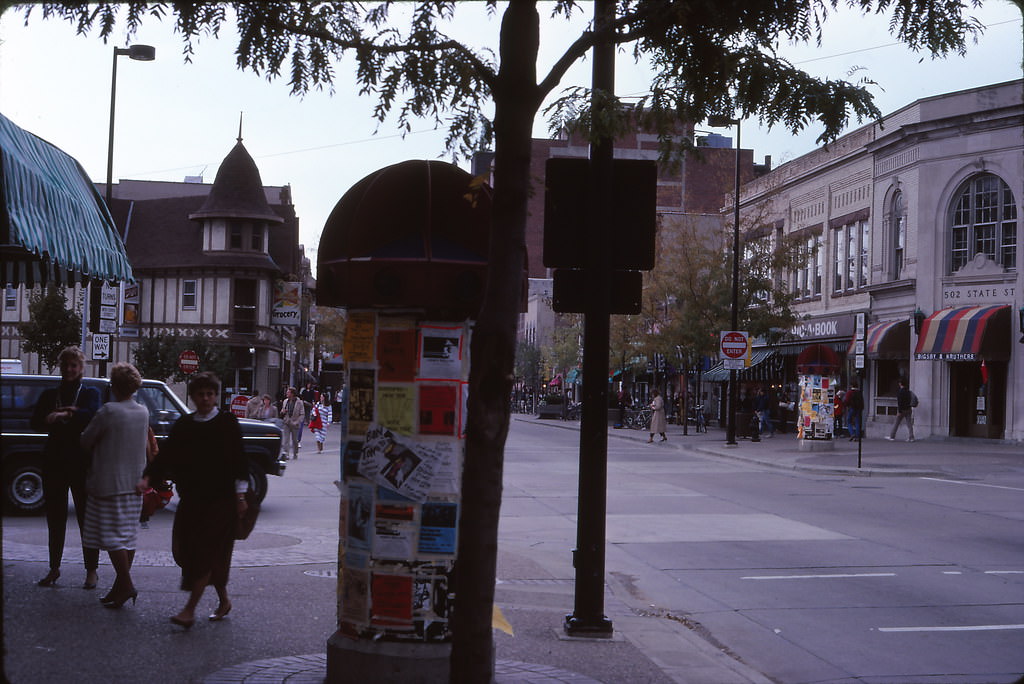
pixel 905 403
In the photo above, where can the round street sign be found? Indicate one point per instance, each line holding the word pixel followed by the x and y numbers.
pixel 734 344
pixel 188 362
pixel 238 405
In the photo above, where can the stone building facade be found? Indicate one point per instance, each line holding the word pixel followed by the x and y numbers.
pixel 912 231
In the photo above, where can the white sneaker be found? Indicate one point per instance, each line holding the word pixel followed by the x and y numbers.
pixel 891 439
pixel 911 439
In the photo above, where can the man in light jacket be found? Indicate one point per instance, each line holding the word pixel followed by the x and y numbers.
pixel 292 414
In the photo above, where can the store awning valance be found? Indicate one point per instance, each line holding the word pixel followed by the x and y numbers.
pixel 54 226
pixel 817 359
pixel 885 340
pixel 967 333
pixel 718 372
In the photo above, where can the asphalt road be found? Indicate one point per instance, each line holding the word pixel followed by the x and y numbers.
pixel 802 577
pixel 718 572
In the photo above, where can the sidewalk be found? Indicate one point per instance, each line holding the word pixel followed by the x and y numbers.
pixel 928 457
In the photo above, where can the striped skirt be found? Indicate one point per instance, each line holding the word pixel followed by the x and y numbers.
pixel 111 522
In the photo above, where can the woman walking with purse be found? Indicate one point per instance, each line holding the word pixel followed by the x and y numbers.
pixel 203 456
pixel 117 437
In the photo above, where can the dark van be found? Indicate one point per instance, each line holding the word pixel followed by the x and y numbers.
pixel 22 447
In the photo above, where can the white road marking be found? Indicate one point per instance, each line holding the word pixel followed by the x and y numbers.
pixel 963 628
pixel 975 484
pixel 1004 572
pixel 835 576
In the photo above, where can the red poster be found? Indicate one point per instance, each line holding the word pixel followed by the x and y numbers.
pixel 439 407
pixel 396 354
pixel 391 601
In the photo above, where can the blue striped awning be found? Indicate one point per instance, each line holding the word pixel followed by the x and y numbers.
pixel 54 226
pixel 967 333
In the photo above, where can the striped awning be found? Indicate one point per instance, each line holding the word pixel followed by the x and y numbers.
pixel 968 333
pixel 718 372
pixel 54 226
pixel 885 340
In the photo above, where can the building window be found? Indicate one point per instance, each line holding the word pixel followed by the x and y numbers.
pixel 898 221
pixel 235 236
pixel 10 298
pixel 850 256
pixel 807 276
pixel 984 221
pixel 257 238
pixel 188 295
pixel 245 305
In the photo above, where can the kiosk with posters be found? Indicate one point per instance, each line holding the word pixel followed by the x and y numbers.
pixel 816 367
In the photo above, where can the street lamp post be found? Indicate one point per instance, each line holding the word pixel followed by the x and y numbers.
pixel 730 430
pixel 142 53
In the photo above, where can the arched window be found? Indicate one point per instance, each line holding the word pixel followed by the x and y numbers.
pixel 983 220
pixel 898 221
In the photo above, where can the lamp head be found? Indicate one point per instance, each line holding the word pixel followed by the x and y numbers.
pixel 720 121
pixel 141 53
pixel 918 321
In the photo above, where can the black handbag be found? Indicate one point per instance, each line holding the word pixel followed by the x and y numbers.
pixel 247 521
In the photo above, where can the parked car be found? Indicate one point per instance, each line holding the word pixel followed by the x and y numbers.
pixel 22 447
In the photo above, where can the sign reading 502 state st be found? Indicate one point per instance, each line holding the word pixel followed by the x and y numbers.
pixel 287 307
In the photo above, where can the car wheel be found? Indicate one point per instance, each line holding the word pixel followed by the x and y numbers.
pixel 258 482
pixel 23 489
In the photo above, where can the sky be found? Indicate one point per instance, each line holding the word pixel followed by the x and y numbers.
pixel 177 119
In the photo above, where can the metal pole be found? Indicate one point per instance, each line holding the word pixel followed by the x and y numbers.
pixel 110 132
pixel 734 390
pixel 587 618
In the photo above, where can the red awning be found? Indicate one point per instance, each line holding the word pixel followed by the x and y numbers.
pixel 967 333
pixel 817 359
pixel 555 381
pixel 885 340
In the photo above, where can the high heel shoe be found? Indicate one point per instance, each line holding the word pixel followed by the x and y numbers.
pixel 182 622
pixel 50 579
pixel 115 601
pixel 221 612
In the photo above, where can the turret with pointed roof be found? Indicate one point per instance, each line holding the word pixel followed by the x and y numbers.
pixel 237 191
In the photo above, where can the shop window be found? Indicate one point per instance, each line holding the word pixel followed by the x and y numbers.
pixel 983 221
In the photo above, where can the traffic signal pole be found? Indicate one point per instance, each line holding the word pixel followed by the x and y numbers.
pixel 587 618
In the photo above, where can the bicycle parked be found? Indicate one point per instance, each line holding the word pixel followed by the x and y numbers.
pixel 638 419
pixel 698 418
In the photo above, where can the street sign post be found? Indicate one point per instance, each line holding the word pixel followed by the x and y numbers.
pixel 188 362
pixel 734 349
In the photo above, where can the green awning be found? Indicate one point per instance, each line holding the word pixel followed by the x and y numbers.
pixel 718 373
pixel 54 226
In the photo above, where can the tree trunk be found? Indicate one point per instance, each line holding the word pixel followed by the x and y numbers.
pixel 493 349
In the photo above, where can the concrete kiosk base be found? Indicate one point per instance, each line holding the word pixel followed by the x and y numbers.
pixel 360 661
pixel 817 445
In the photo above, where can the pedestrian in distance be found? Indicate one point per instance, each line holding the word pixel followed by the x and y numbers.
pixel 657 416
pixel 853 402
pixel 762 407
pixel 204 457
pixel 63 413
pixel 117 437
pixel 253 406
pixel 267 411
pixel 293 415
pixel 906 401
pixel 319 417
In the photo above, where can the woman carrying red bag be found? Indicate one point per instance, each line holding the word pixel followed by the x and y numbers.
pixel 317 420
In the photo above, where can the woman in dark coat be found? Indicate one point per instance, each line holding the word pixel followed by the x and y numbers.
pixel 63 413
pixel 203 456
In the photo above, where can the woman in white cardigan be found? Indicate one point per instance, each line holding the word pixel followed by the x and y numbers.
pixel 117 439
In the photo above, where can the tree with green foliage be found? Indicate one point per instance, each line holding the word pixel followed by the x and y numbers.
pixel 157 356
pixel 51 326
pixel 711 57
